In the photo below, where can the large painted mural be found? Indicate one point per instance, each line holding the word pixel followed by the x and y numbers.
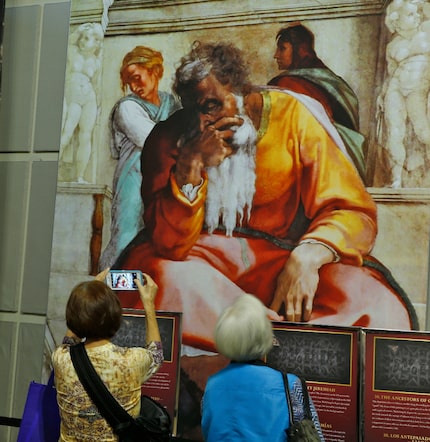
pixel 296 170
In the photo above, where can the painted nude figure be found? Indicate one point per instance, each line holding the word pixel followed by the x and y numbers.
pixel 405 93
pixel 80 102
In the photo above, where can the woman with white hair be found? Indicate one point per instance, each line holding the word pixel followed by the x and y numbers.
pixel 246 401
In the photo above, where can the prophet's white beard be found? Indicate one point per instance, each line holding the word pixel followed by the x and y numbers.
pixel 231 185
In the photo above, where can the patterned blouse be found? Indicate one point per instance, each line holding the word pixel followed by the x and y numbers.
pixel 123 370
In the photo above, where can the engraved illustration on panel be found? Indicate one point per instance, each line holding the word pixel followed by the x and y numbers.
pixel 133 331
pixel 402 365
pixel 321 357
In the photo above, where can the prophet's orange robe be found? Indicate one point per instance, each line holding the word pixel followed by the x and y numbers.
pixel 300 170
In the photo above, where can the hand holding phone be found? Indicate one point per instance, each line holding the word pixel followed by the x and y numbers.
pixel 124 279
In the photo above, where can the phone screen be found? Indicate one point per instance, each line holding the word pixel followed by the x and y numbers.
pixel 123 279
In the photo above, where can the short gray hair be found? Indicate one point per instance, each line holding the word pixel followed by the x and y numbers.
pixel 243 331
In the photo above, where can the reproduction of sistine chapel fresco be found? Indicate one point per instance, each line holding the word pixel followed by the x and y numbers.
pixel 226 149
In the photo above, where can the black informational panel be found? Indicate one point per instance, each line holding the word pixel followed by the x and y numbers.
pixel 133 332
pixel 328 358
pixel 397 386
pixel 164 385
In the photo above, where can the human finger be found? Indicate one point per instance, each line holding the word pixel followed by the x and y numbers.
pixel 149 280
pixel 102 275
pixel 148 287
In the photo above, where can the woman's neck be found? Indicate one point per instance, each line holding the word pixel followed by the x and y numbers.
pixel 90 343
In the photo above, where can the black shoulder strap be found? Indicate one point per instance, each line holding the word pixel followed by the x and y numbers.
pixel 107 405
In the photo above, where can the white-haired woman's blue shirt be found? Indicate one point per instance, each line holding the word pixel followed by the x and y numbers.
pixel 247 402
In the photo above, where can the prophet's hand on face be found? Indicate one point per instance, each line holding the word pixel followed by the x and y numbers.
pixel 213 143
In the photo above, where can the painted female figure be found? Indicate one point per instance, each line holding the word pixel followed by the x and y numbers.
pixel 132 119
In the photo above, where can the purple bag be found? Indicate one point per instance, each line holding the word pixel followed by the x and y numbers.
pixel 41 418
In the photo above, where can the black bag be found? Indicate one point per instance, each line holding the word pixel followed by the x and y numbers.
pixel 153 423
pixel 304 430
pixel 154 420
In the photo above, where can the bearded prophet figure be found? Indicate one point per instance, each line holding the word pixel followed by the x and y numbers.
pixel 132 119
pixel 246 191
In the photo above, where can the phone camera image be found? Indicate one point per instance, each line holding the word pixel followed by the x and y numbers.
pixel 124 280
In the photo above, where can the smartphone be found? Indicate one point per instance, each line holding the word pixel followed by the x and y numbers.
pixel 124 279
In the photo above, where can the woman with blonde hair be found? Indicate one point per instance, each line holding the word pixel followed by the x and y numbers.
pixel 132 119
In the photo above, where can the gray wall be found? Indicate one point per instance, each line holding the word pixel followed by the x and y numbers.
pixel 34 60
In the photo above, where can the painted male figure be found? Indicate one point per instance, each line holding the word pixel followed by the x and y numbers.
pixel 304 72
pixel 245 190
